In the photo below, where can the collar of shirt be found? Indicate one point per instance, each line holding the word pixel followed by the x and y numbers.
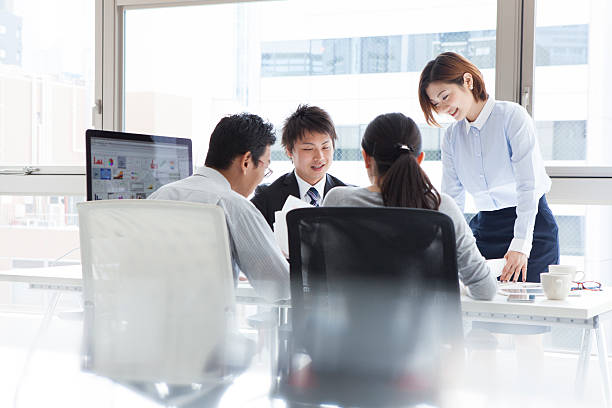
pixel 214 175
pixel 482 117
pixel 305 186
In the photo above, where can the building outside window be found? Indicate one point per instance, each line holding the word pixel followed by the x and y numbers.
pixel 46 93
pixel 268 57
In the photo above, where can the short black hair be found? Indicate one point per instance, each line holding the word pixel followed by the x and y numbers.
pixel 307 119
pixel 235 135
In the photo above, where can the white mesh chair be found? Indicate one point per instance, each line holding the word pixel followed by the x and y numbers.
pixel 157 288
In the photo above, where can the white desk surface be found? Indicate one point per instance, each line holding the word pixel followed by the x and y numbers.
pixel 586 306
pixel 68 275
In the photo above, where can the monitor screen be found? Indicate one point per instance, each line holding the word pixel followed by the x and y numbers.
pixel 127 165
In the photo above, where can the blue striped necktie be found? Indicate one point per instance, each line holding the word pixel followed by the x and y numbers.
pixel 314 196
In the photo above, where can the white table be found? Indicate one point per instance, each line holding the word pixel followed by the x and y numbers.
pixel 65 277
pixel 584 312
pixel 70 278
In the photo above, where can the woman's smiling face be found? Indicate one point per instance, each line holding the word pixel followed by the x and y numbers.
pixel 452 99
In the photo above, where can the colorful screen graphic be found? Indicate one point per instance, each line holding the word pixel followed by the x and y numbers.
pixel 131 166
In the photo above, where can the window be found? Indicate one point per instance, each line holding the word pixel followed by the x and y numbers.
pixel 562 45
pixel 405 53
pixel 267 57
pixel 571 82
pixel 37 230
pixel 569 107
pixel 336 57
pixel 47 73
pixel 46 92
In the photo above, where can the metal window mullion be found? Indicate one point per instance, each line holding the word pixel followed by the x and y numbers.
pixel 119 90
pixel 175 3
pixel 46 180
pixel 97 109
pixel 42 170
pixel 107 62
pixel 39 185
pixel 34 119
pixel 593 191
pixel 528 55
pixel 508 50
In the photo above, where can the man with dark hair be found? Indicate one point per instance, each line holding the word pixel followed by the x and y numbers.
pixel 309 139
pixel 237 161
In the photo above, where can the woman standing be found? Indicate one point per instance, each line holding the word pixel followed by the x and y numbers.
pixel 491 152
pixel 391 149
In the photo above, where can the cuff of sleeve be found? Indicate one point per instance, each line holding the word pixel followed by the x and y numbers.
pixel 520 245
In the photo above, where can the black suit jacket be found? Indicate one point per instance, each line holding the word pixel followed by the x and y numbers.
pixel 270 198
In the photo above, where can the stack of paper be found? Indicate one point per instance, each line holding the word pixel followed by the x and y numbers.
pixel 280 222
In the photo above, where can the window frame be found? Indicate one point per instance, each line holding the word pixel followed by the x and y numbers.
pixel 56 179
pixel 514 77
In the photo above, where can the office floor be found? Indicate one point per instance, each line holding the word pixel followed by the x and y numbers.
pixel 498 377
pixel 545 382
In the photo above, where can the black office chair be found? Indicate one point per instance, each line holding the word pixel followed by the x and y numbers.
pixel 375 302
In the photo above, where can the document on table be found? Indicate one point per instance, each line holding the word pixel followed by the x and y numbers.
pixel 280 222
pixel 520 288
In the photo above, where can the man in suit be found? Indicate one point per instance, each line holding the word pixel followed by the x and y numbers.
pixel 309 139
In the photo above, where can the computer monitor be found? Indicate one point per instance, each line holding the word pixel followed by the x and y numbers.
pixel 127 165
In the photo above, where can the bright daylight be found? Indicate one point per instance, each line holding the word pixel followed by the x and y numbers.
pixel 305 203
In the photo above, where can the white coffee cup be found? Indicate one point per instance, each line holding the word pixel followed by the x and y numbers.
pixel 567 269
pixel 556 286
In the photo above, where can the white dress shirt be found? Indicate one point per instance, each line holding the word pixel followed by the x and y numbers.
pixel 254 250
pixel 304 186
pixel 497 160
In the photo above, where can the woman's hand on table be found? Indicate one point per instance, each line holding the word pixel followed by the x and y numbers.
pixel 516 265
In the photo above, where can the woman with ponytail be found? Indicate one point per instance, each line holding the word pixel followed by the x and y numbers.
pixel 391 149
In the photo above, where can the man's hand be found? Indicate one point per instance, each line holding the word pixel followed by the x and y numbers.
pixel 516 264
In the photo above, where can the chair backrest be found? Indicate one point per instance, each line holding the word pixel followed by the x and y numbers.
pixel 157 287
pixel 374 291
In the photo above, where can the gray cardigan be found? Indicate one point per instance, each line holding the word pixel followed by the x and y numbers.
pixel 473 270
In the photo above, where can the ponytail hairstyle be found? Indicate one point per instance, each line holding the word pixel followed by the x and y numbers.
pixel 394 141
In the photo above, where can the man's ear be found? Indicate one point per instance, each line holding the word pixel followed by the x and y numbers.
pixel 288 153
pixel 245 161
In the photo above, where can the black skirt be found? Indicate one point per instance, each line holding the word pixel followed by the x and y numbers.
pixel 494 230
